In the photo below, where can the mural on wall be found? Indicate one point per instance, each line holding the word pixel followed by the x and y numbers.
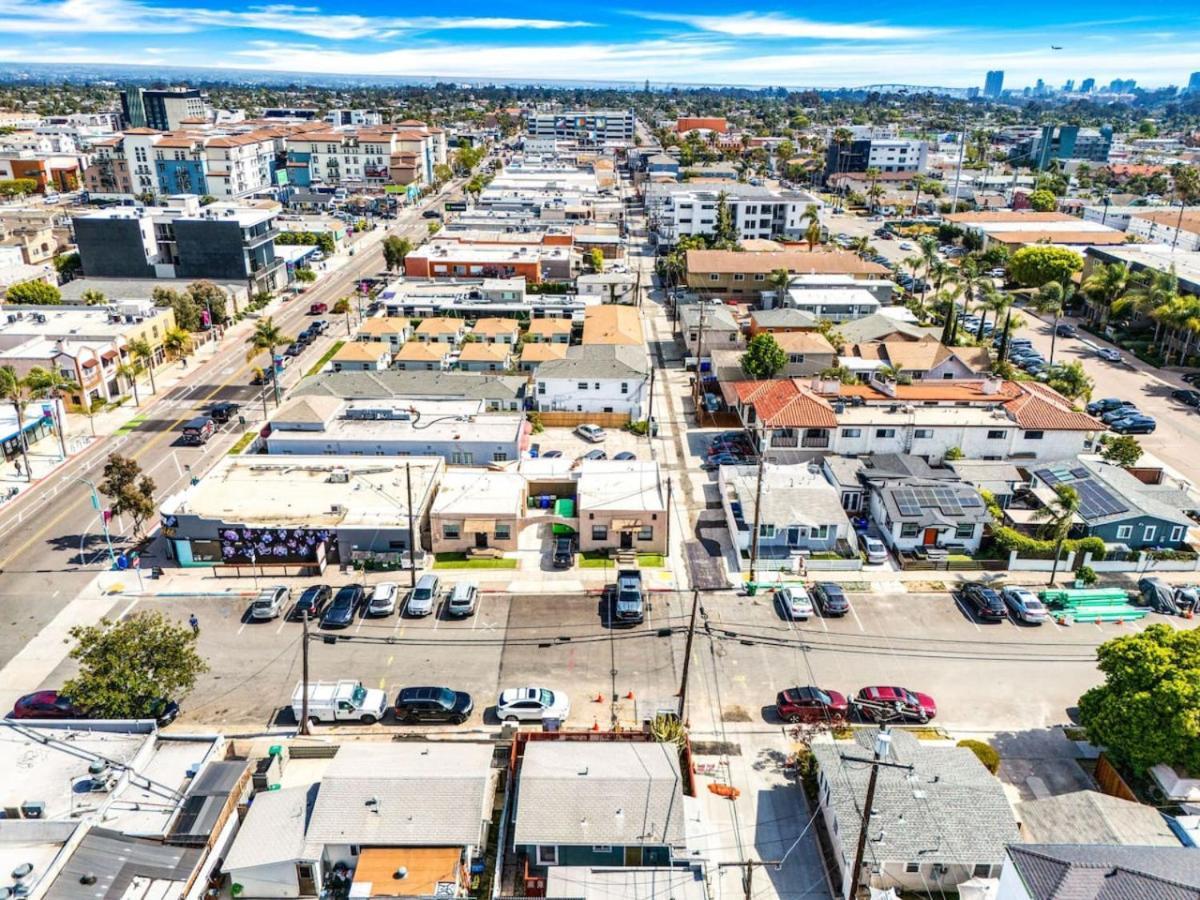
pixel 274 544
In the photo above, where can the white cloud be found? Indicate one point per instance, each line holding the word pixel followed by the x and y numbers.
pixel 774 25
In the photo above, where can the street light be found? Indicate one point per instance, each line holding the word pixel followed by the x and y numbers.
pixel 95 497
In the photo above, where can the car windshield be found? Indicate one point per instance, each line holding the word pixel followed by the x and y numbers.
pixel 1031 604
pixel 342 601
pixel 446 697
pixel 359 696
pixel 546 698
pixel 823 697
pixel 422 594
pixel 264 601
pixel 910 698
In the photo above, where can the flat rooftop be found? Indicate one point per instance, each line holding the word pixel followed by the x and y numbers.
pixel 479 492
pixel 802 297
pixel 71 323
pixel 1158 257
pixel 301 490
pixel 494 253
pixel 621 486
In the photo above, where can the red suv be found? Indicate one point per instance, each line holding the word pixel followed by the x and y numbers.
pixel 318 309
pixel 810 704
pixel 45 705
pixel 887 704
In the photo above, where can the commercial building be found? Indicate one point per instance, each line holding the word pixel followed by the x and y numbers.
pixel 595 128
pixel 888 155
pixel 676 210
pixel 162 110
pixel 447 258
pixel 496 392
pixel 731 274
pixel 477 509
pixel 1063 142
pixel 1150 258
pixel 1018 228
pixel 1168 227
pixel 51 172
pixel 993 85
pixel 684 124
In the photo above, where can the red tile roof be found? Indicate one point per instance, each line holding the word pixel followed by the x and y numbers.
pixel 784 403
pixel 1042 407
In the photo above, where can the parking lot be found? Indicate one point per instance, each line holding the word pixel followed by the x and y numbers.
pixel 572 446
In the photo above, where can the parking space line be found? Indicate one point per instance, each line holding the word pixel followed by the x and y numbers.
pixel 282 622
pixel 967 613
pixel 399 622
pixel 479 598
pixel 243 628
pixel 362 618
pixel 857 620
pixel 437 613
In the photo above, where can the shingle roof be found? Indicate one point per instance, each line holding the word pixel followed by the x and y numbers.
pixel 273 830
pixel 422 351
pixel 624 794
pixel 482 351
pixel 309 410
pixel 597 361
pixel 440 325
pixel 608 324
pixel 875 327
pixel 1090 817
pixel 404 795
pixel 948 810
pixel 785 317
pixel 549 327
pixel 360 351
pixel 543 351
pixel 495 325
pixel 1103 872
pixel 784 403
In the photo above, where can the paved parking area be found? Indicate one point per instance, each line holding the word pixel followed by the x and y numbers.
pixel 573 446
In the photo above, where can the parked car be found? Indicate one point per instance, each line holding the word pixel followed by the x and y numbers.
pixel 433 704
pixel 320 326
pixel 463 599
pixel 830 599
pixel 1186 397
pixel 983 600
pixel 345 606
pixel 1108 353
pixel 1121 412
pixel 293 349
pixel 423 597
pixel 905 245
pixel 312 601
pixel 318 309
pixel 55 705
pixel 224 411
pixel 551 454
pixel 722 459
pixel 532 704
pixel 270 602
pixel 431 214
pixel 594 455
pixel 564 553
pixel 1191 378
pixel 886 704
pixel 383 599
pixel 811 704
pixel 593 433
pixel 793 603
pixel 1135 424
pixel 1064 329
pixel 996 273
pixel 1025 605
pixel 875 549
pixel 625 455
pixel 263 376
pixel 1108 404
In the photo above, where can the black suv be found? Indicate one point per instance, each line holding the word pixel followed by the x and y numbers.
pixel 564 553
pixel 346 604
pixel 985 601
pixel 433 704
pixel 224 411
pixel 313 602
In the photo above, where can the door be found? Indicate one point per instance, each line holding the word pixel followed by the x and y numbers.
pixel 626 540
pixel 481 540
pixel 930 538
pixel 633 856
pixel 306 879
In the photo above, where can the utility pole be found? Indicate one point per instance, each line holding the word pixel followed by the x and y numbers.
pixel 962 149
pixel 304 675
pixel 687 656
pixel 412 537
pixel 883 748
pixel 757 505
pixel 748 876
pixel 650 405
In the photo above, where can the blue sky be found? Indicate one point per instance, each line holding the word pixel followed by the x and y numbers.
pixel 942 42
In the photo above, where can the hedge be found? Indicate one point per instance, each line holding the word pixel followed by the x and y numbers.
pixel 985 753
pixel 1009 539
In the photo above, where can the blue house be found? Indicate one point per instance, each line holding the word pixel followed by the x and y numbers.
pixel 1116 506
pixel 582 803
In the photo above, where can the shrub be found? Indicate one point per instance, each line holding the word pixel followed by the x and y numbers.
pixel 639 428
pixel 985 753
pixel 1010 539
pixel 1087 575
pixel 535 422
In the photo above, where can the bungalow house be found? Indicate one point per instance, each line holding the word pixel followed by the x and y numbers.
pixel 496 330
pixel 583 803
pixel 362 356
pixel 934 826
pixel 1116 506
pixel 477 356
pixel 441 329
pixel 853 475
pixel 427 356
pixel 554 331
pixel 881 327
pixel 734 274
pixel 920 512
pixel 596 378
pixel 391 331
pixel 380 809
pixel 1090 817
pixel 477 509
pixel 809 353
pixel 927 359
pixel 608 324
pixel 780 320
pixel 800 513
pixel 621 505
pixel 706 327
pixel 608 287
pixel 533 354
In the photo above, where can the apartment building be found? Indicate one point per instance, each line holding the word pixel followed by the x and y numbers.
pixel 732 274
pixel 1166 226
pixel 676 210
pixel 161 110
pixel 356 117
pixel 888 155
pixel 240 164
pixel 1063 142
pixel 51 172
pixel 403 154
pixel 596 127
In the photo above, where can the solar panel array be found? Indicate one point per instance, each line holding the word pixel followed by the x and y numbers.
pixel 1095 500
pixel 951 501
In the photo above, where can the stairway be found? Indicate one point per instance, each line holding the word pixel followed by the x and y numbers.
pixel 626 559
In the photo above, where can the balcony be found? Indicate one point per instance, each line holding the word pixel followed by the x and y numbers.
pixel 815 441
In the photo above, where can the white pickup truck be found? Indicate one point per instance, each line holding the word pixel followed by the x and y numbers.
pixel 339 701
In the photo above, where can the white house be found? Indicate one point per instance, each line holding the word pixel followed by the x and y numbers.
pixel 920 512
pixel 596 378
pixel 608 287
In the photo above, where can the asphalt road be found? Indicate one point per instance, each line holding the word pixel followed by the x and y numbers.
pixel 41 566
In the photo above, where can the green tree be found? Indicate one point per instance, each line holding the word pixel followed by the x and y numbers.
pixel 126 667
pixel 1043 201
pixel 36 293
pixel 595 259
pixel 1187 190
pixel 50 383
pixel 93 297
pixel 67 265
pixel 433 227
pixel 17 187
pixel 1148 709
pixel 1040 264
pixel 306 276
pixel 1103 287
pixel 187 314
pixel 1058 517
pixel 130 371
pixel 1049 301
pixel 128 490
pixel 342 308
pixel 780 279
pixel 207 296
pixel 1120 449
pixel 812 234
pixel 19 391
pixel 1070 380
pixel 266 338
pixel 144 354
pixel 725 233
pixel 177 342
pixel 395 250
pixel 764 358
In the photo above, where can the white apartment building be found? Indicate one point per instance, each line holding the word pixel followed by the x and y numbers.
pixel 239 164
pixel 1164 226
pixel 357 117
pixel 892 155
pixel 595 126
pixel 675 210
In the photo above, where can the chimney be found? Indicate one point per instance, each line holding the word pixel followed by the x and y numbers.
pixel 990 386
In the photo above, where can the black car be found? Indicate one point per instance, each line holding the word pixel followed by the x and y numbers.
pixel 1108 404
pixel 346 604
pixel 1192 378
pixel 293 349
pixel 830 598
pixel 625 456
pixel 986 602
pixel 431 214
pixel 224 411
pixel 312 602
pixel 1187 398
pixel 1065 330
pixel 594 455
pixel 433 704
pixel 564 553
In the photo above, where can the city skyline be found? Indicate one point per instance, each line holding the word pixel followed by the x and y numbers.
pixel 666 41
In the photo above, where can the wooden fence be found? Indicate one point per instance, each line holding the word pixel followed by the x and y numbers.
pixel 1111 782
pixel 567 419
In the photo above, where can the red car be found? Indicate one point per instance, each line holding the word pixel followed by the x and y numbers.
pixel 45 705
pixel 887 704
pixel 811 704
pixel 318 309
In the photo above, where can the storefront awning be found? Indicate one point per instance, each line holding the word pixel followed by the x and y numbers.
pixel 90 363
pixel 477 525
pixel 626 524
pixel 109 354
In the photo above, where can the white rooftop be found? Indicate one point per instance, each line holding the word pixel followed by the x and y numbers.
pixel 479 492
pixel 496 254
pixel 621 486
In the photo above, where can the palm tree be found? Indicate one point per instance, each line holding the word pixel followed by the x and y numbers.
pixel 265 339
pixel 780 279
pixel 1058 516
pixel 918 183
pixel 874 191
pixel 1050 300
pixel 1187 190
pixel 144 354
pixel 1150 290
pixel 1104 287
pixel 812 234
pixel 342 307
pixel 177 342
pixel 50 383
pixel 129 371
pixel 20 393
pixel 93 297
pixel 929 257
pixel 1070 380
pixel 991 300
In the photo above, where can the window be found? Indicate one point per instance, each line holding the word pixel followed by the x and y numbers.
pixel 885 432
pixel 714 277
pixel 909 530
pixel 851 432
pixel 922 433
pixel 624 387
pixel 499 456
pixel 1034 435
pixel 1124 532
pixel 964 532
pixel 582 385
pixel 599 532
pixel 601 848
pixel 503 531
pixel 1177 533
pixel 766 531
pixel 541 387
pixel 982 870
pixel 1149 532
pixel 646 533
pixel 796 358
pixel 996 435
pixel 547 855
pixel 912 868
pixel 450 531
pixel 738 276
pixel 760 277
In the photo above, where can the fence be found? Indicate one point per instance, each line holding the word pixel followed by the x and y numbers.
pixel 566 419
pixel 1143 561
pixel 1111 782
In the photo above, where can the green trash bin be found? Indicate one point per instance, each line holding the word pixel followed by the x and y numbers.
pixel 751 588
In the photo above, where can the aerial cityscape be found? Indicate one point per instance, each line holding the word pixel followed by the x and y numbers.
pixel 658 452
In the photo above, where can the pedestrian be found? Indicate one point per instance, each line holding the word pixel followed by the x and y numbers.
pixel 17 466
pixel 195 623
pixel 183 361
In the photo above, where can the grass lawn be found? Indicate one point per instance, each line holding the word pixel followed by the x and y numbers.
pixel 594 559
pixel 320 363
pixel 651 560
pixel 460 561
pixel 242 443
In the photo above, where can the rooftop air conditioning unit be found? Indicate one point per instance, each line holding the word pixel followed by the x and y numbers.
pixel 33 809
pixel 339 476
pixel 337 509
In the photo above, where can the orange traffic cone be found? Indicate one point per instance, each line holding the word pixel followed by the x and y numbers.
pixel 599 698
pixel 595 725
pixel 629 696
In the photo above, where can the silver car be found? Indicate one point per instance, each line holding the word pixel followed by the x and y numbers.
pixel 383 599
pixel 270 602
pixel 423 598
pixel 794 602
pixel 463 599
pixel 1024 605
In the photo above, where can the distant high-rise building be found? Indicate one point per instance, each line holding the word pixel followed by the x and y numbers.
pixel 1069 86
pixel 993 85
pixel 1122 86
pixel 1089 85
pixel 161 110
pixel 1040 87
pixel 1194 83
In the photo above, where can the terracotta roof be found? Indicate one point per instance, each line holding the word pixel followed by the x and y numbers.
pixel 608 324
pixel 818 262
pixel 549 327
pixel 944 391
pixel 543 351
pixel 784 403
pixel 803 342
pixel 1122 169
pixel 359 351
pixel 1023 215
pixel 495 325
pixel 1191 219
pixel 383 325
pixel 439 325
pixel 1039 406
pixel 483 351
pixel 421 351
pixel 1058 237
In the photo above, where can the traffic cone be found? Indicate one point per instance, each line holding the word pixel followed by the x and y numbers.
pixel 599 698
pixel 629 696
pixel 595 725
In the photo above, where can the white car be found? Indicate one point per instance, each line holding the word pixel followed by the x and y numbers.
pixel 270 602
pixel 875 549
pixel 463 599
pixel 1025 605
pixel 423 598
pixel 905 245
pixel 383 599
pixel 593 433
pixel 532 704
pixel 1109 354
pixel 794 602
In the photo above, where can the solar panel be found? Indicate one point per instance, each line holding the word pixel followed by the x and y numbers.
pixel 970 501
pixel 907 503
pixel 1081 473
